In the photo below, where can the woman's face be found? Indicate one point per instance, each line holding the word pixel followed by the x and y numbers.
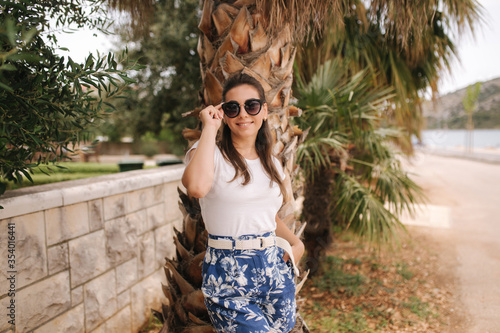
pixel 244 125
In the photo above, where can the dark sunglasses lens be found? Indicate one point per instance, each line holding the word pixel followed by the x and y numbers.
pixel 252 107
pixel 231 109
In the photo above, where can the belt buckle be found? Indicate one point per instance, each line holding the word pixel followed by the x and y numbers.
pixel 261 239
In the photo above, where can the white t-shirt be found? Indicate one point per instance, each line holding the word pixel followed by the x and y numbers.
pixel 231 209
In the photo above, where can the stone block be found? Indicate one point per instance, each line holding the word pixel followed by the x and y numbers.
pixel 146 296
pixel 27 202
pixel 114 206
pixel 156 216
pixel 66 222
pixel 139 199
pixel 100 299
pixel 146 254
pixel 96 216
pixel 58 258
pixel 6 316
pixel 121 240
pixel 87 257
pixel 158 194
pixel 172 211
pixel 126 275
pixel 69 322
pixel 28 247
pixel 42 301
pixel 100 329
pixel 79 192
pixel 139 219
pixel 120 322
pixel 77 296
pixel 123 299
pixel 165 247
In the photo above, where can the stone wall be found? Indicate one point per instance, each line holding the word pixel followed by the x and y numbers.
pixel 88 253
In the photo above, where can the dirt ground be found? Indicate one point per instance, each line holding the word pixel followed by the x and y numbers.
pixel 403 289
pixel 451 261
pixel 468 247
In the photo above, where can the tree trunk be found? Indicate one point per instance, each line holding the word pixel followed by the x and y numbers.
pixel 316 210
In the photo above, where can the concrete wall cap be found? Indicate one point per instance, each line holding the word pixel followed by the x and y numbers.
pixel 35 198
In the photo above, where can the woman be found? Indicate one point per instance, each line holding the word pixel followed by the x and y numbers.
pixel 248 280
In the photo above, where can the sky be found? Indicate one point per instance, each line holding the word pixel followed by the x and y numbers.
pixel 479 56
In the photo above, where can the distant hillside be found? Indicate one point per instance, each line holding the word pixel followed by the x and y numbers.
pixel 449 112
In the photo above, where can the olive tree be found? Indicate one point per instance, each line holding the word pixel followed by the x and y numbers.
pixel 47 100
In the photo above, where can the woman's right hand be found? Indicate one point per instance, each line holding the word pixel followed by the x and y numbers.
pixel 212 116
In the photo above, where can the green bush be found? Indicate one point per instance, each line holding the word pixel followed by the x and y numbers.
pixel 149 149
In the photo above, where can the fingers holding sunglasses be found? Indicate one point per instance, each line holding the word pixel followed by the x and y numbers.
pixel 220 113
pixel 211 116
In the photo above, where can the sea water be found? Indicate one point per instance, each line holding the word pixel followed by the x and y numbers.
pixel 482 138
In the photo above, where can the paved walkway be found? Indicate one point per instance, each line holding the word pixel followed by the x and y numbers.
pixel 467 195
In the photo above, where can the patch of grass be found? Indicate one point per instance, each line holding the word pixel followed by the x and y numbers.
pixel 41 179
pixel 153 325
pixel 63 171
pixel 76 167
pixel 354 261
pixel 415 305
pixel 403 270
pixel 335 321
pixel 373 312
pixel 335 279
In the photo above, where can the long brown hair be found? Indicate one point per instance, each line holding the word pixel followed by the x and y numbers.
pixel 263 142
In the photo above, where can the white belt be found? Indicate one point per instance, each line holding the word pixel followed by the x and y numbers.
pixel 257 243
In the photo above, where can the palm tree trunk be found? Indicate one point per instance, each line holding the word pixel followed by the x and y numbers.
pixel 316 210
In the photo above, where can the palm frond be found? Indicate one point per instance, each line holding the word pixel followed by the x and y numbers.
pixel 305 17
pixel 362 211
pixel 315 154
pixel 141 12
pixel 406 45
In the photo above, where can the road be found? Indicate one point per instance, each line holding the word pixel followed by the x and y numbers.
pixel 470 244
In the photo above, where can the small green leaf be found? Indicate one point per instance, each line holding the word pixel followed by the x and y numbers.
pixel 7 67
pixel 127 79
pixel 27 175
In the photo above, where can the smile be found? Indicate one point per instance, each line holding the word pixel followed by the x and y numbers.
pixel 246 124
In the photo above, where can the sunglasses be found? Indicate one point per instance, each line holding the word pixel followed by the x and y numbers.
pixel 252 107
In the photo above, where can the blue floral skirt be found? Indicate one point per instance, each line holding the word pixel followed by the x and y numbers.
pixel 249 290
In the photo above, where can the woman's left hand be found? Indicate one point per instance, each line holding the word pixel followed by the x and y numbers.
pixel 298 251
